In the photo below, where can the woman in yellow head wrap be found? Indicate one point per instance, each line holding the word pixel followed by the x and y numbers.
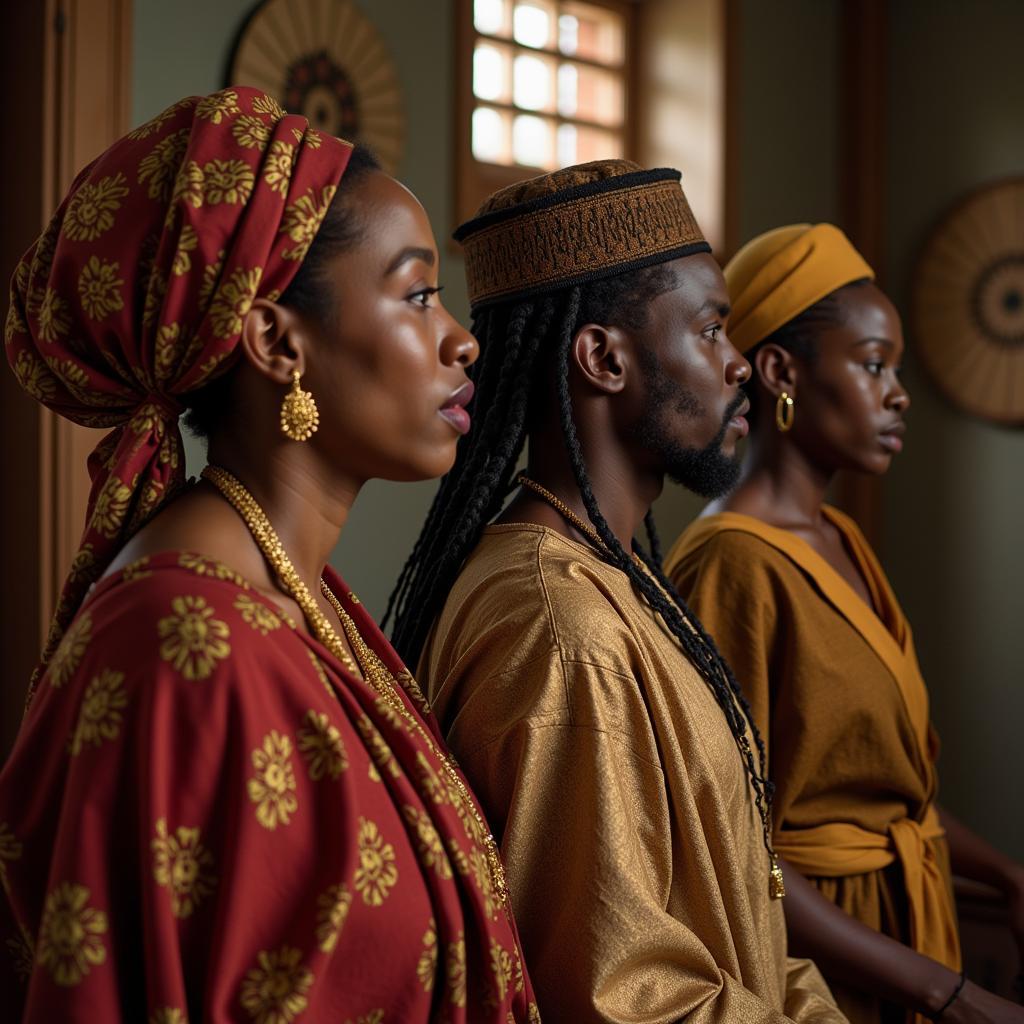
pixel 801 609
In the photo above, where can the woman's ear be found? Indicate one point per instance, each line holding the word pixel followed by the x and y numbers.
pixel 777 370
pixel 600 358
pixel 274 341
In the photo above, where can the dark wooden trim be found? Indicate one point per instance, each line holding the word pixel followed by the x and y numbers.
pixel 463 207
pixel 863 115
pixel 93 84
pixel 631 127
pixel 68 64
pixel 555 55
pixel 731 86
pixel 550 115
pixel 863 95
pixel 23 32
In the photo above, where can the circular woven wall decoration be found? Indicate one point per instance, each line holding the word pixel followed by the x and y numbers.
pixel 325 60
pixel 967 303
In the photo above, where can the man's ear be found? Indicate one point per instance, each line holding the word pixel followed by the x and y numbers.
pixel 601 357
pixel 275 341
pixel 777 369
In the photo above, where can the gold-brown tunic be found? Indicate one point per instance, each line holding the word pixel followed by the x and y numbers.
pixel 632 844
pixel 836 690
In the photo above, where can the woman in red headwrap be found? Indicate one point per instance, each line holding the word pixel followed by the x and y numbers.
pixel 228 799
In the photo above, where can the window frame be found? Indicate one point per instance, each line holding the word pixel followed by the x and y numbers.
pixel 476 179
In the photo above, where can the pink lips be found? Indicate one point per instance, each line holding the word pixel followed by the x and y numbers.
pixel 892 438
pixel 739 421
pixel 454 410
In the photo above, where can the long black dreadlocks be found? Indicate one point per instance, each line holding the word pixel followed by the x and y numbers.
pixel 515 340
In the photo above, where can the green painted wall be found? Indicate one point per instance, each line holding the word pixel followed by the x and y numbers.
pixel 788 135
pixel 954 500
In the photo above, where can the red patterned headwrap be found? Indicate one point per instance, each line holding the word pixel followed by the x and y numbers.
pixel 134 294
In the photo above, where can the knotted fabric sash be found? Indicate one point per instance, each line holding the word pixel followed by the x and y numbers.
pixel 840 849
pixel 135 293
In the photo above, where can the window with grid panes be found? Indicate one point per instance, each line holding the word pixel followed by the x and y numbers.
pixel 547 85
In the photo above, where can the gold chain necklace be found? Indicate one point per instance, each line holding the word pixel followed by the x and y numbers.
pixel 567 513
pixel 374 671
pixel 776 883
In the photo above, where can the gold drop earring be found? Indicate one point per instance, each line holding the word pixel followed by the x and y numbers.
pixel 299 414
pixel 784 413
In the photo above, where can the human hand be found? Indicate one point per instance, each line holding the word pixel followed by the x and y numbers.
pixel 976 1005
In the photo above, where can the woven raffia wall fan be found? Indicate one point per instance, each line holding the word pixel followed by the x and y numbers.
pixel 968 303
pixel 325 60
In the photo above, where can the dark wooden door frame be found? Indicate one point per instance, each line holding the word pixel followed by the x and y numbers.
pixel 863 97
pixel 66 64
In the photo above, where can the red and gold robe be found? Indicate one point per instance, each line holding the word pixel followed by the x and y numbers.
pixel 206 818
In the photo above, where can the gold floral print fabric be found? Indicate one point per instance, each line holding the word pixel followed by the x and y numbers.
pixel 71 934
pixel 332 909
pixel 99 717
pixel 322 747
pixel 183 865
pixel 135 293
pixel 272 785
pixel 257 614
pixel 377 873
pixel 99 288
pixel 193 639
pixel 426 968
pixel 302 219
pixel 428 842
pixel 210 823
pixel 69 654
pixel 91 210
pixel 278 165
pixel 168 1015
pixel 274 991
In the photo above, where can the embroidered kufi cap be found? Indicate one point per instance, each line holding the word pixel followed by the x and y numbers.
pixel 574 225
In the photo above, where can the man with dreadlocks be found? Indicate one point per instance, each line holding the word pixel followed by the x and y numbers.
pixel 608 740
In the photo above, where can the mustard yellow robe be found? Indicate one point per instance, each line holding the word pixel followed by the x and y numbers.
pixel 837 693
pixel 632 844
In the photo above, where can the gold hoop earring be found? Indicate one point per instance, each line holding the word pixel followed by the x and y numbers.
pixel 784 413
pixel 299 414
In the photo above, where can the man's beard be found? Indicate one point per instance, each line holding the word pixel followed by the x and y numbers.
pixel 706 471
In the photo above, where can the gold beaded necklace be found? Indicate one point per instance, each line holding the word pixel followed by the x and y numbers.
pixel 373 670
pixel 776 882
pixel 273 551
